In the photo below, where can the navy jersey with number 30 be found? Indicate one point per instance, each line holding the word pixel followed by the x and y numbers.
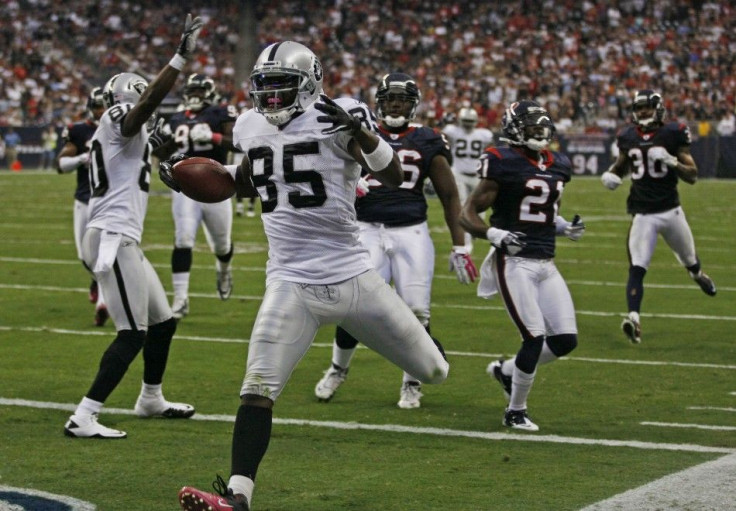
pixel 528 196
pixel 653 184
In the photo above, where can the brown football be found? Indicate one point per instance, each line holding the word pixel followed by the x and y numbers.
pixel 203 179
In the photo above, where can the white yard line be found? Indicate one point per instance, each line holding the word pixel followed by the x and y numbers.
pixel 235 340
pixel 397 428
pixel 707 487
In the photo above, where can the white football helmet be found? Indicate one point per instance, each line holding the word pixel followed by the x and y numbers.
pixel 123 88
pixel 468 118
pixel 286 79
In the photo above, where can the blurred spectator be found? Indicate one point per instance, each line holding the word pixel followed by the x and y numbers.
pixel 12 141
pixel 486 54
pixel 727 125
pixel 48 142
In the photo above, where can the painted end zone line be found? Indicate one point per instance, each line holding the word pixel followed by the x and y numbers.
pixel 688 426
pixel 395 428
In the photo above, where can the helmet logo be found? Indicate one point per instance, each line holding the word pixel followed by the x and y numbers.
pixel 317 70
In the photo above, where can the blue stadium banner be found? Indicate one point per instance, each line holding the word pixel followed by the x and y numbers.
pixel 590 153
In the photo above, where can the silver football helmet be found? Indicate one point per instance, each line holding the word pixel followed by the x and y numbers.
pixel 468 118
pixel 123 88
pixel 286 79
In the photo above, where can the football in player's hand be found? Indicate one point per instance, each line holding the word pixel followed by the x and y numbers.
pixel 203 180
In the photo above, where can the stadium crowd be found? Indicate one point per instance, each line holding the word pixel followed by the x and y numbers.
pixel 580 59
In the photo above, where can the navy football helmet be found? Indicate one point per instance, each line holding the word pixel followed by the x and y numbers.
pixel 397 87
pixel 647 109
pixel 526 123
pixel 199 92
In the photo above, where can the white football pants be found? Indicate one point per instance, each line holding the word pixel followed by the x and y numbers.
pixel 673 227
pixel 406 256
pixel 189 214
pixel 134 294
pixel 535 295
pixel 365 306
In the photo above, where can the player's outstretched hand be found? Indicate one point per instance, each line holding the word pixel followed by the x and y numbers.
pixel 463 265
pixel 610 180
pixel 339 118
pixel 575 229
pixel 165 171
pixel 188 41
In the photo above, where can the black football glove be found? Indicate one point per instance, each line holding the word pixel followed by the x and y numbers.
pixel 160 135
pixel 339 118
pixel 164 171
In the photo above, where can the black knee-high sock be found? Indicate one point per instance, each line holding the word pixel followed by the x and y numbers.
pixel 251 435
pixel 115 362
pixel 156 351
pixel 181 260
pixel 635 288
pixel 225 258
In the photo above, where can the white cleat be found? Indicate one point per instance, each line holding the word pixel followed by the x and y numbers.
pixel 410 395
pixel 180 307
pixel 86 426
pixel 329 383
pixel 159 407
pixel 224 284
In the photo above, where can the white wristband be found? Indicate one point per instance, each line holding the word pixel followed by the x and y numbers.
pixel 178 62
pixel 381 156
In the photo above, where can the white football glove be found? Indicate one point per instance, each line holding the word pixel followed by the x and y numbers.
pixel 188 41
pixel 658 153
pixel 201 133
pixel 509 242
pixel 362 188
pixel 463 265
pixel 610 180
pixel 575 229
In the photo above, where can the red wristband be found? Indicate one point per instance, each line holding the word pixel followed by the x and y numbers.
pixel 217 138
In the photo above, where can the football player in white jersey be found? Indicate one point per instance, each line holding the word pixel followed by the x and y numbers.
pixel 120 175
pixel 303 155
pixel 467 142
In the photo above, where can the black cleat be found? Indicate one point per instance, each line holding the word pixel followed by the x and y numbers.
pixel 494 369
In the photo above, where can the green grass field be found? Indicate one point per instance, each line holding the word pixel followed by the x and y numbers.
pixel 360 452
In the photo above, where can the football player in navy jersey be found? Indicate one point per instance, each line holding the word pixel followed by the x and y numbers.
pixel 203 128
pixel 658 156
pixel 523 183
pixel 74 156
pixel 393 222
